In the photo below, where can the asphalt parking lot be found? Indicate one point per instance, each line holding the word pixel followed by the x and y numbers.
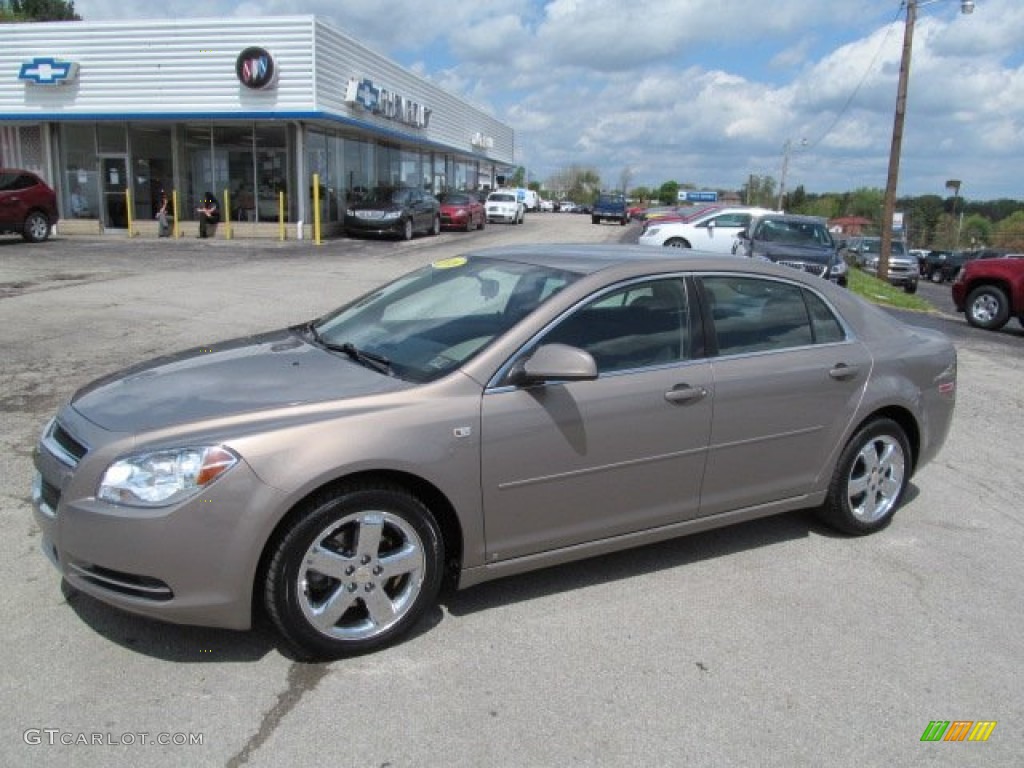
pixel 773 643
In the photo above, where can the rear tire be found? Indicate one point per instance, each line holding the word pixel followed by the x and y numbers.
pixel 355 572
pixel 869 479
pixel 435 229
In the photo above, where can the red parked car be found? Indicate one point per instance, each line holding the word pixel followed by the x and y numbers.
pixel 28 206
pixel 462 210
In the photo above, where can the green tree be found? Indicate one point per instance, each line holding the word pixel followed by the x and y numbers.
pixel 641 194
pixel 1009 233
pixel 41 10
pixel 759 190
pixel 865 202
pixel 976 231
pixel 668 193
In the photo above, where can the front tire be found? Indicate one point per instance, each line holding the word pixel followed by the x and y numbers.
pixel 37 227
pixel 988 308
pixel 354 573
pixel 910 287
pixel 407 230
pixel 869 480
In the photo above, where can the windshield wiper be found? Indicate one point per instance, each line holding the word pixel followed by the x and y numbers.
pixel 378 363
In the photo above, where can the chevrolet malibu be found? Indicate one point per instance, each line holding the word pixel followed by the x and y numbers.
pixel 486 415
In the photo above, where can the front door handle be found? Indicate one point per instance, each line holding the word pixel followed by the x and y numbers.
pixel 843 371
pixel 684 393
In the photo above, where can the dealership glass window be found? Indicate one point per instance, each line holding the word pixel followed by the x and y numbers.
pixel 80 191
pixel 204 171
pixel 318 164
pixel 152 167
pixel 359 165
pixel 272 171
pixel 111 138
pixel 235 143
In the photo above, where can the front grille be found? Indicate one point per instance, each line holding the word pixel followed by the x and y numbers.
pixel 133 585
pixel 820 270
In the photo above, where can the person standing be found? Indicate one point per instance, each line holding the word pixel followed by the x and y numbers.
pixel 209 214
pixel 163 216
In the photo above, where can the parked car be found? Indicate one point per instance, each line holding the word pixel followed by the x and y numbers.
pixel 713 231
pixel 609 206
pixel 904 270
pixel 462 210
pixel 801 242
pixel 547 206
pixel 942 266
pixel 991 291
pixel 485 415
pixel 503 205
pixel 400 212
pixel 28 205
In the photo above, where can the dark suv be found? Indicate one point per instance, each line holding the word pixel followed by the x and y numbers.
pixel 801 242
pixel 28 206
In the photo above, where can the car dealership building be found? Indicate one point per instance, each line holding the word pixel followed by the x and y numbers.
pixel 251 110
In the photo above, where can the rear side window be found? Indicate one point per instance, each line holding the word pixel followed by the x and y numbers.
pixel 758 315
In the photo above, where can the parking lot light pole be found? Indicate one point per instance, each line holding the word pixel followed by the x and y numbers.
pixel 889 205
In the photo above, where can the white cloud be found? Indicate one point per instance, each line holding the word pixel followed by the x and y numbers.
pixel 708 91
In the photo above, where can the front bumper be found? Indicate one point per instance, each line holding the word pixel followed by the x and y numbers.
pixel 191 563
pixel 361 226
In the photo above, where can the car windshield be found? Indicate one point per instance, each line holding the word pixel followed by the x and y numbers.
pixel 433 320
pixel 794 232
pixel 874 246
pixel 502 197
pixel 455 198
pixel 387 196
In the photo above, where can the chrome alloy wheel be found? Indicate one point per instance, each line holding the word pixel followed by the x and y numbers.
pixel 985 308
pixel 361 575
pixel 876 478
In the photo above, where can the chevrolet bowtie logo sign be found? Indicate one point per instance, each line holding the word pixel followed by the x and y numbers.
pixel 46 70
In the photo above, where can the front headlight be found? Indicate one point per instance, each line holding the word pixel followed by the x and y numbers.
pixel 391 215
pixel 839 268
pixel 651 232
pixel 161 478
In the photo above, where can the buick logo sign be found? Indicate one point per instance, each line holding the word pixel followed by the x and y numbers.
pixel 255 68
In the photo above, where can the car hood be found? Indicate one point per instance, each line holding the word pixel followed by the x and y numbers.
pixel 239 376
pixel 786 252
pixel 374 205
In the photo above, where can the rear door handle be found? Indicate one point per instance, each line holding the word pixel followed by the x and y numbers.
pixel 843 371
pixel 684 393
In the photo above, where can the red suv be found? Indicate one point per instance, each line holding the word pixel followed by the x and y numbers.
pixel 27 205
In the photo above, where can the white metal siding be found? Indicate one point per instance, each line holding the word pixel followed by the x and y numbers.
pixel 145 68
pixel 186 68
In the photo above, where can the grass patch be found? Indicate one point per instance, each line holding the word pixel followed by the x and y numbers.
pixel 880 292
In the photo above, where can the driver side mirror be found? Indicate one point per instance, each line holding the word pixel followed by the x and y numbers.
pixel 553 362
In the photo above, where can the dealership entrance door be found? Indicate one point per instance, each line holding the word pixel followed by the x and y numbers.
pixel 114 181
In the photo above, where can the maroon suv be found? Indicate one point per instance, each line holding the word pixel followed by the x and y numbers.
pixel 991 291
pixel 28 206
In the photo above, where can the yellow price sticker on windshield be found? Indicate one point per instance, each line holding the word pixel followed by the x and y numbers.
pixel 455 261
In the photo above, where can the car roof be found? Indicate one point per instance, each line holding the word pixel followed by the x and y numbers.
pixel 591 258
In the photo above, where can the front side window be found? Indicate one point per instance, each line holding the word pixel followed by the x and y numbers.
pixel 758 315
pixel 636 326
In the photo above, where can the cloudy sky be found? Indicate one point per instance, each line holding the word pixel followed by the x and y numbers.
pixel 708 91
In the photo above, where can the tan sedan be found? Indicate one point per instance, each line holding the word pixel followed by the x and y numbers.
pixel 486 415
